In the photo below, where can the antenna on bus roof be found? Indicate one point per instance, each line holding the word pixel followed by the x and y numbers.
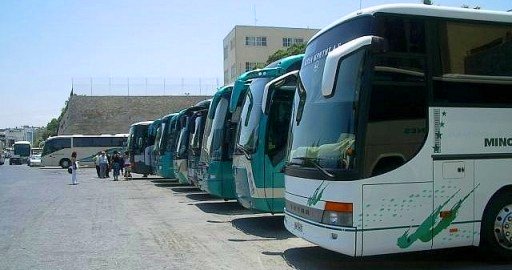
pixel 360 4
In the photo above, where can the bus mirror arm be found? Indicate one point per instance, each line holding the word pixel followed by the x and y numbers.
pixel 334 58
pixel 271 86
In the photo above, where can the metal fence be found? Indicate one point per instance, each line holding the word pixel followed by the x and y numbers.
pixel 147 86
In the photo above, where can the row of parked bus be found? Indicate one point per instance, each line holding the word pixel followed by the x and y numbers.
pixel 392 133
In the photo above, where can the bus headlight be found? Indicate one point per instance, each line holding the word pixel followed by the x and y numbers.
pixel 338 214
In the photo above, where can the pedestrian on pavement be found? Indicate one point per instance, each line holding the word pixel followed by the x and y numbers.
pixel 96 160
pixel 103 161
pixel 74 168
pixel 116 166
pixel 109 167
pixel 127 166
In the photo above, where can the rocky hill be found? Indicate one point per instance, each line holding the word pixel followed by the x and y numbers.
pixel 115 114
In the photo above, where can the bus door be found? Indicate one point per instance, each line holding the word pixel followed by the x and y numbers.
pixel 278 100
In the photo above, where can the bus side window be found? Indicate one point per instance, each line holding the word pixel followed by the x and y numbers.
pixel 475 64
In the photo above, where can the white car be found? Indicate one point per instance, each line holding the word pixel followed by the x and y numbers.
pixel 34 160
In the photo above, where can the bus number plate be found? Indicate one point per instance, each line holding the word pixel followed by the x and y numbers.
pixel 297 226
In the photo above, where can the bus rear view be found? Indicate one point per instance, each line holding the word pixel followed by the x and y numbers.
pixel 397 133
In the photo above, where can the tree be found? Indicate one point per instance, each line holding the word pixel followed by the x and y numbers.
pixel 292 50
pixel 428 2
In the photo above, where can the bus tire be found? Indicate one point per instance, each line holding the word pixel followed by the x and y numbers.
pixel 64 163
pixel 496 230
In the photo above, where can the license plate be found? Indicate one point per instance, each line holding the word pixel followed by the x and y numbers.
pixel 297 226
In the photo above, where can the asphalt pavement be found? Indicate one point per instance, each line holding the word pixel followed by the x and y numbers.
pixel 155 223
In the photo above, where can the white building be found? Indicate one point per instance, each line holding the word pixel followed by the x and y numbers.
pixel 246 47
pixel 24 133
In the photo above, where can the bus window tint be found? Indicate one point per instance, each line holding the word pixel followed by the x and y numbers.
pixel 397 120
pixel 54 145
pixel 475 64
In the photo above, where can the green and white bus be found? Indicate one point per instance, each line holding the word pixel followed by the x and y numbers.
pixel 198 122
pixel 57 150
pixel 184 126
pixel 401 134
pixel 262 135
pixel 139 146
pixel 162 148
pixel 215 173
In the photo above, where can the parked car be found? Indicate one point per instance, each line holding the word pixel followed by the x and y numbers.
pixel 34 160
pixel 2 158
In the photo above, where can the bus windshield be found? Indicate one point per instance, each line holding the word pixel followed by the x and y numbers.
pixel 250 117
pixel 215 133
pixel 22 149
pixel 55 144
pixel 138 138
pixel 323 129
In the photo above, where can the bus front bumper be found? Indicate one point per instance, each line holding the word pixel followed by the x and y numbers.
pixel 338 239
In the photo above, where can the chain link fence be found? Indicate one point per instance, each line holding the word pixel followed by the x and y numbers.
pixel 145 86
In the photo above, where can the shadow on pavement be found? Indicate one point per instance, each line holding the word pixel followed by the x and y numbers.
pixel 319 258
pixel 201 197
pixel 223 208
pixel 165 180
pixel 170 184
pixel 185 188
pixel 263 226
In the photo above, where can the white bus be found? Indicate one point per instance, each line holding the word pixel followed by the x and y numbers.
pixel 21 152
pixel 401 136
pixel 57 150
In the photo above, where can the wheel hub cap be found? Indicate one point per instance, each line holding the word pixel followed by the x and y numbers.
pixel 503 227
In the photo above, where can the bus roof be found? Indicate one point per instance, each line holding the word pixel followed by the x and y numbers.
pixel 80 135
pixel 22 142
pixel 425 10
pixel 143 123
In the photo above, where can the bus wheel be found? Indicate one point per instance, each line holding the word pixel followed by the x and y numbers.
pixel 496 231
pixel 64 163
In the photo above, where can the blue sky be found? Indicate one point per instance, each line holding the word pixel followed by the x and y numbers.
pixel 44 44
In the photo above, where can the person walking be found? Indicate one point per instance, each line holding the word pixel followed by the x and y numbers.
pixel 103 161
pixel 96 160
pixel 116 166
pixel 74 168
pixel 127 166
pixel 109 164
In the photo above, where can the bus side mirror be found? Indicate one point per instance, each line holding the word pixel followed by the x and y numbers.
pixel 271 86
pixel 334 57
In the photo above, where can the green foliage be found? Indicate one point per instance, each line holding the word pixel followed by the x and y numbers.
pixel 52 128
pixel 428 2
pixel 292 50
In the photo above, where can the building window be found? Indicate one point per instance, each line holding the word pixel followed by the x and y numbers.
pixel 231 44
pixel 253 65
pixel 298 40
pixel 287 42
pixel 256 41
pixel 225 52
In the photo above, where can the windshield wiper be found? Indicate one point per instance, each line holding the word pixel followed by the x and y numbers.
pixel 244 151
pixel 315 163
